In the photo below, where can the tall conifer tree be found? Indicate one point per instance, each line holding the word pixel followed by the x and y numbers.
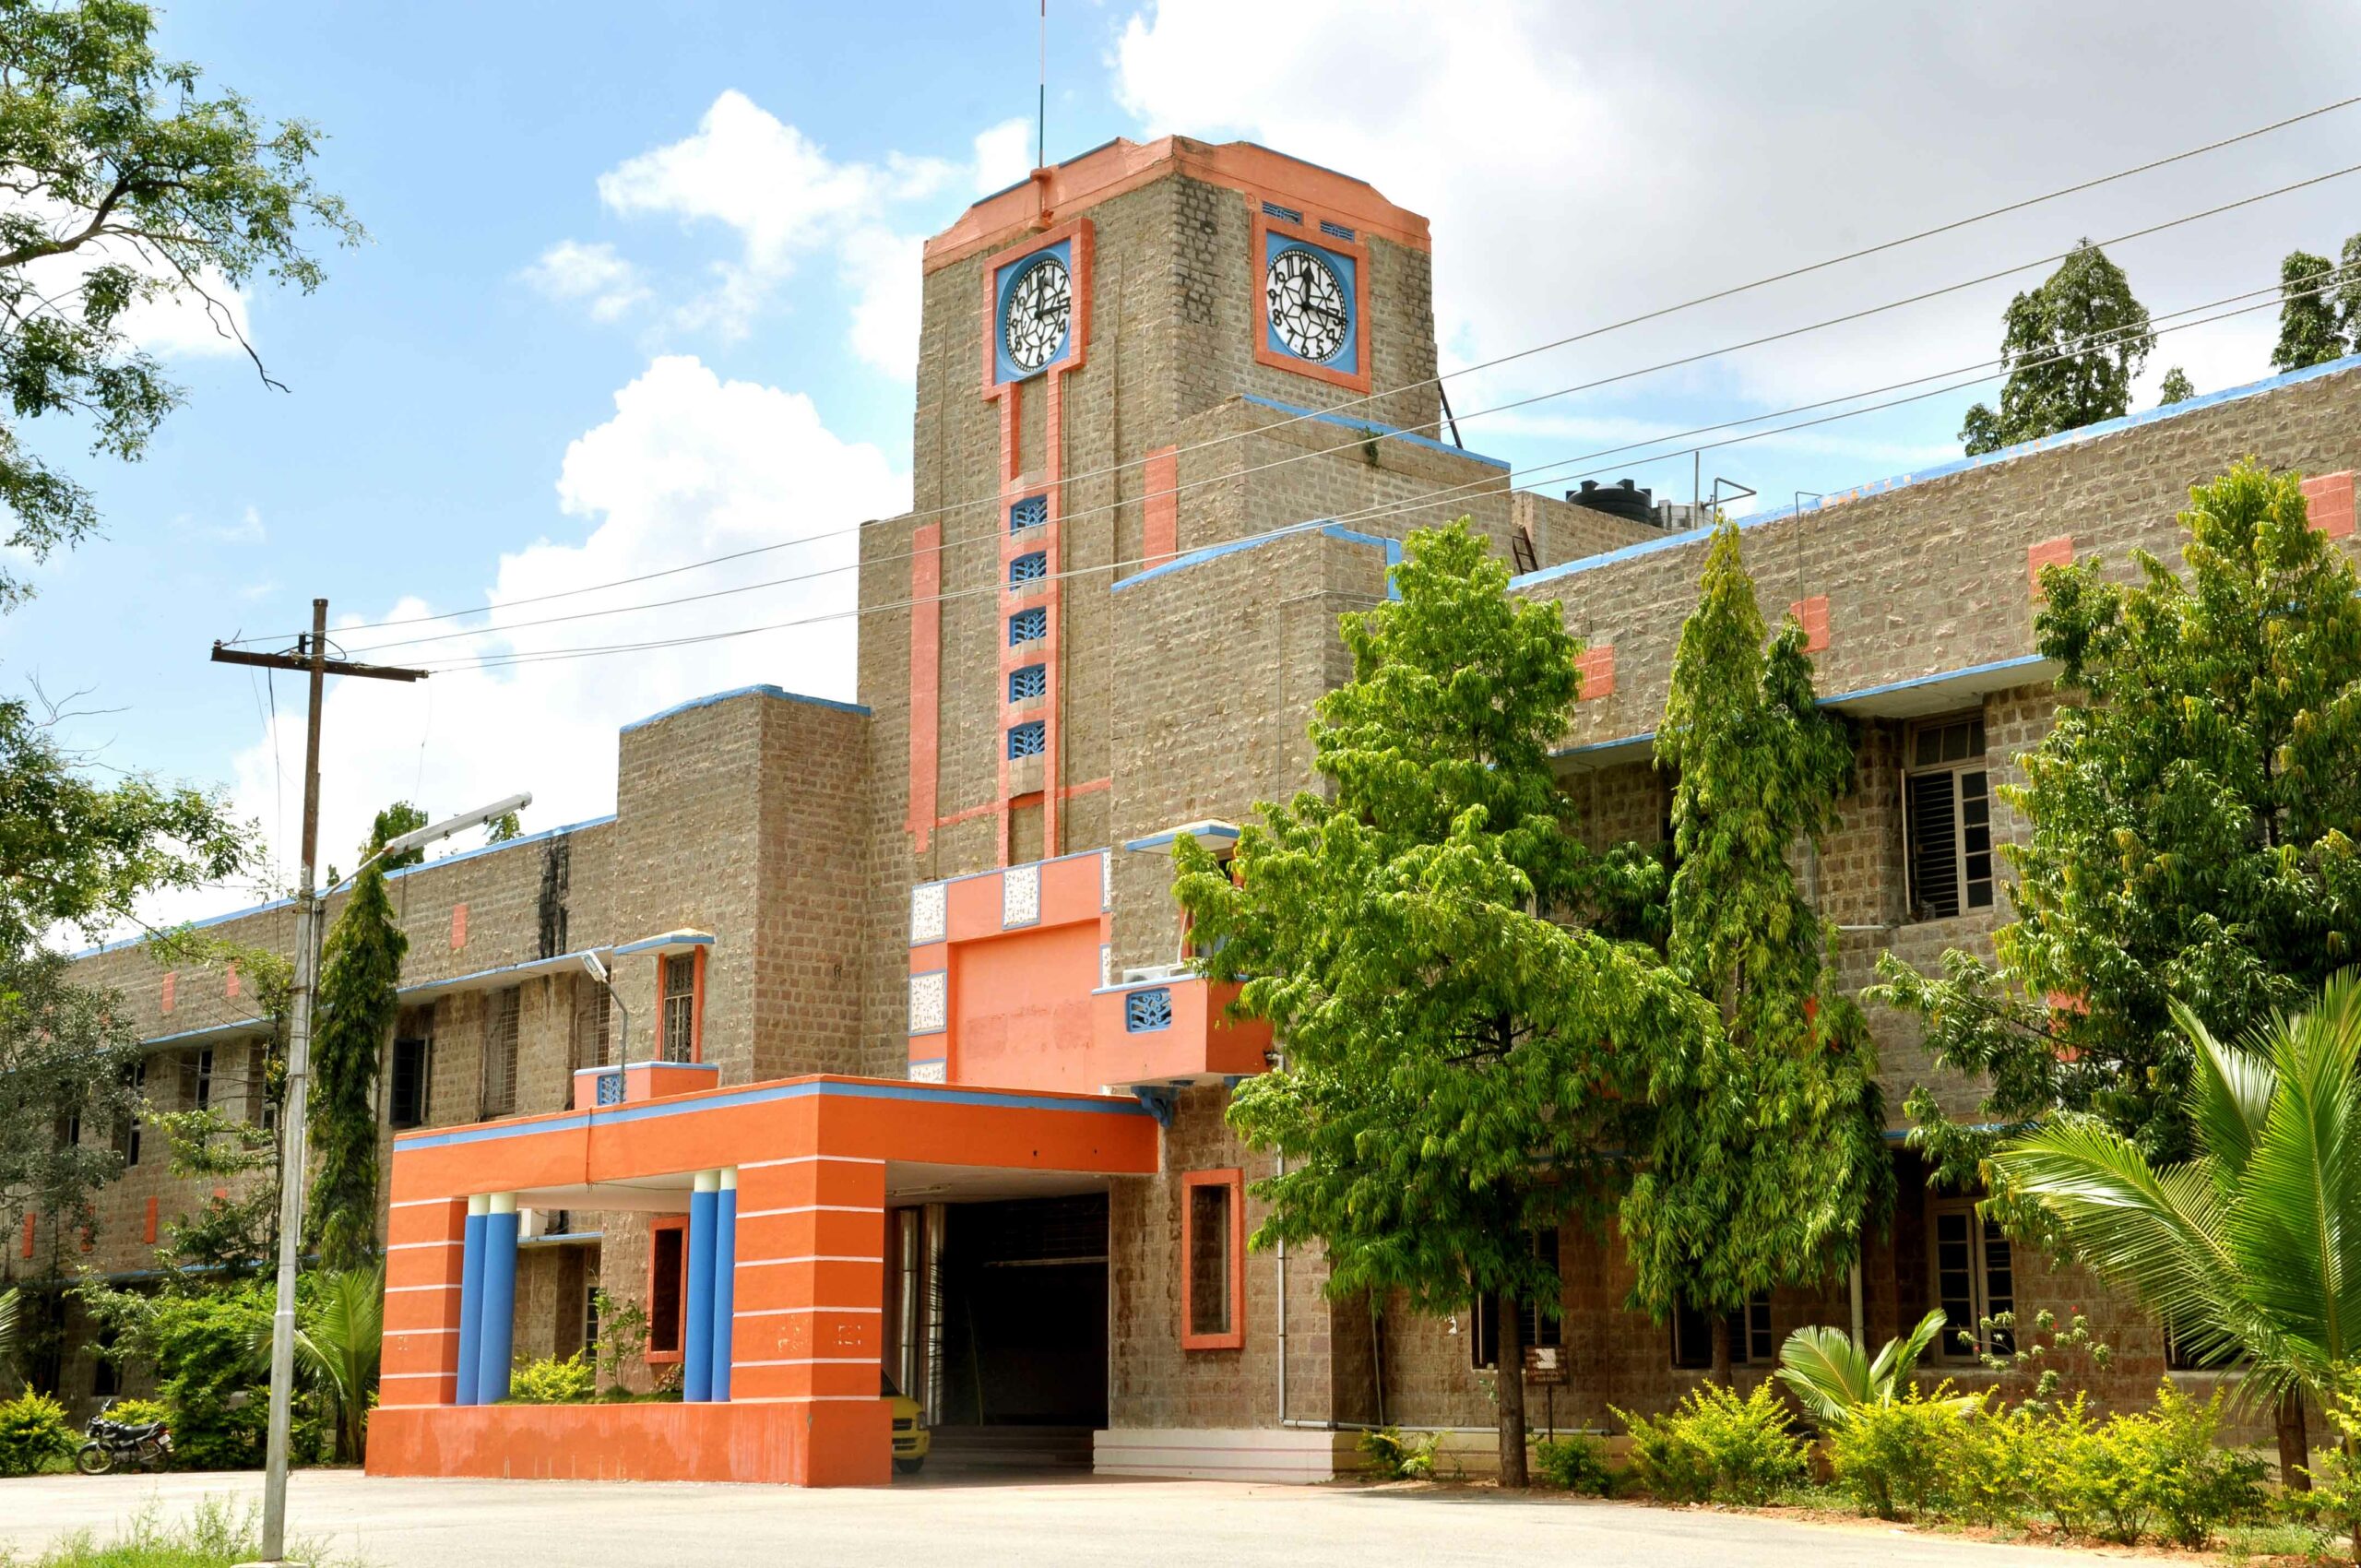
pixel 361 967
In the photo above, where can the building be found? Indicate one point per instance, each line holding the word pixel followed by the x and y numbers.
pixel 900 1076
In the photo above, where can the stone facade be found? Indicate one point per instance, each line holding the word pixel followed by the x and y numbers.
pixel 791 831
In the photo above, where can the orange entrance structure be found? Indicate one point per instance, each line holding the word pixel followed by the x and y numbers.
pixel 791 1314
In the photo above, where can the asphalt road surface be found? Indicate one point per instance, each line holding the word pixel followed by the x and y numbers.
pixel 968 1522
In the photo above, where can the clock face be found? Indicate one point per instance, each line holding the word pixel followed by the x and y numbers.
pixel 1034 327
pixel 1306 304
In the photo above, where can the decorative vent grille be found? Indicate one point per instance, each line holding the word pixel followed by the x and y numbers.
pixel 1029 682
pixel 1334 231
pixel 1027 626
pixel 1032 569
pixel 1147 1010
pixel 1272 209
pixel 1026 740
pixel 1029 513
pixel 610 1089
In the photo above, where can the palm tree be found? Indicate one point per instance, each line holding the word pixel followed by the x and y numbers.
pixel 1831 1376
pixel 337 1348
pixel 2252 1249
pixel 8 1321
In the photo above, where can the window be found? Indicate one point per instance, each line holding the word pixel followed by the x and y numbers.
pixel 1947 813
pixel 593 1023
pixel 1750 1342
pixel 1027 740
pixel 260 1108
pixel 68 1129
pixel 197 1078
pixel 406 1105
pixel 106 1378
pixel 1534 1327
pixel 679 1005
pixel 1213 1260
pixel 1029 513
pixel 590 1314
pixel 126 1132
pixel 1025 685
pixel 1029 568
pixel 500 1011
pixel 667 1277
pixel 1027 626
pixel 1973 1280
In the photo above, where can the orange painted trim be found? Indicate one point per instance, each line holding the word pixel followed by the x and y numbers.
pixel 1063 792
pixel 2058 552
pixel 1161 507
pixel 165 1001
pixel 1811 615
pixel 799 1442
pixel 1596 667
pixel 2328 502
pixel 1308 232
pixel 1122 166
pixel 1077 325
pixel 1234 1336
pixel 148 1229
pixel 459 927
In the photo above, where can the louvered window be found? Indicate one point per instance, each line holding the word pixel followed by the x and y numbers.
pixel 1029 513
pixel 499 1014
pixel 1033 567
pixel 1334 231
pixel 1027 626
pixel 1272 209
pixel 1029 682
pixel 1750 1342
pixel 1027 740
pixel 1947 808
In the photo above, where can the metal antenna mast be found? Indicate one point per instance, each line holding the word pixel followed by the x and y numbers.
pixel 1041 103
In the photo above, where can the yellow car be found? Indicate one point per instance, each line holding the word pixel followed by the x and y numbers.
pixel 910 1436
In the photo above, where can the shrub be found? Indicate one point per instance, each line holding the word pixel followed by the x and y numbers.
pixel 1717 1445
pixel 1896 1457
pixel 213 1381
pixel 1577 1463
pixel 551 1381
pixel 2168 1454
pixel 1991 1478
pixel 1395 1457
pixel 139 1412
pixel 33 1434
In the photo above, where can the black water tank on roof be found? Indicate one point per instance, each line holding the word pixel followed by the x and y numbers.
pixel 1619 500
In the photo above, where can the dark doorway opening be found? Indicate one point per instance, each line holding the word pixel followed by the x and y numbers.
pixel 1023 1294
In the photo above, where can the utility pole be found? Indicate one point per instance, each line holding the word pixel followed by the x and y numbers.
pixel 310 658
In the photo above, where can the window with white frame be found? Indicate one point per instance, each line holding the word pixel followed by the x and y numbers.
pixel 1975 1279
pixel 500 1015
pixel 1946 816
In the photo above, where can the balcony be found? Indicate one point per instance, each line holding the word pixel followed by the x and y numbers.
pixel 1167 1031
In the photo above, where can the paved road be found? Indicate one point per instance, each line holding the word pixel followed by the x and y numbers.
pixel 966 1523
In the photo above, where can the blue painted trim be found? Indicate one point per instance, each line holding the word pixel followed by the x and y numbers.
pixel 1005 276
pixel 996 1099
pixel 1389 432
pixel 1838 699
pixel 519 842
pixel 562 1241
pixel 1347 354
pixel 1962 465
pixel 470 1307
pixel 1159 840
pixel 781 693
pixel 696 1312
pixel 235 1027
pixel 498 1337
pixel 668 939
pixel 725 1285
pixel 1393 548
pixel 538 965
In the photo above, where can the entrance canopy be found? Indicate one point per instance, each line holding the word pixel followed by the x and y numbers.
pixel 785 1187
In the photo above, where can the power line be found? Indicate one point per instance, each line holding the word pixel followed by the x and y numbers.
pixel 1178 487
pixel 1431 498
pixel 1333 411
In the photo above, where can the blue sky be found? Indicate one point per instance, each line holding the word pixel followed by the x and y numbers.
pixel 641 281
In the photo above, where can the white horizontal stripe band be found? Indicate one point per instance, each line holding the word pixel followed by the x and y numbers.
pixel 813 1362
pixel 398 1290
pixel 413 1246
pixel 809 1208
pixel 410 1377
pixel 808 1257
pixel 809 1160
pixel 422 1203
pixel 803 1311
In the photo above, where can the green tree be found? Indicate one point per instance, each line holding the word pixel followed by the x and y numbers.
pixel 391 824
pixel 360 971
pixel 1450 1050
pixel 2073 347
pixel 2193 813
pixel 2238 1246
pixel 126 187
pixel 2348 291
pixel 1765 1147
pixel 67 1059
pixel 2309 333
pixel 2176 388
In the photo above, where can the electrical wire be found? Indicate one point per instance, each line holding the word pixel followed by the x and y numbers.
pixel 1180 487
pixel 1332 411
pixel 1426 501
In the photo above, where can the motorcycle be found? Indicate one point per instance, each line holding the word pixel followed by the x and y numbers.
pixel 148 1445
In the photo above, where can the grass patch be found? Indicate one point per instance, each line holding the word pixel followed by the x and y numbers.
pixel 218 1533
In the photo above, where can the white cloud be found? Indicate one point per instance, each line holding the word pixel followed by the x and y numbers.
pixel 592 275
pixel 882 269
pixel 1003 155
pixel 689 466
pixel 1584 161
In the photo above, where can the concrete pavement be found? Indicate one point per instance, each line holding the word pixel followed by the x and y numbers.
pixel 956 1522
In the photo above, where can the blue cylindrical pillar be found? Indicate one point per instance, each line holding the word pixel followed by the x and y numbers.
pixel 724 1277
pixel 696 1336
pixel 496 1338
pixel 470 1297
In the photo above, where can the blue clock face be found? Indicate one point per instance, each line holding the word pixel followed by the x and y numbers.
pixel 1033 325
pixel 1306 304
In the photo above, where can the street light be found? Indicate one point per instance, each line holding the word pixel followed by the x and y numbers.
pixel 293 1153
pixel 597 971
